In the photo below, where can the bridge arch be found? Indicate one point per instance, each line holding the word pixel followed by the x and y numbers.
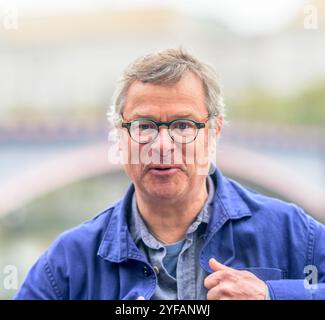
pixel 89 161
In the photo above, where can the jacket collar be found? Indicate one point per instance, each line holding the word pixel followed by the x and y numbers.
pixel 117 244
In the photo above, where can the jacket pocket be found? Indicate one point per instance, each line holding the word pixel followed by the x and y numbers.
pixel 266 273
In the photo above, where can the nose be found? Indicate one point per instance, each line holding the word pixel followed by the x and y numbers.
pixel 163 144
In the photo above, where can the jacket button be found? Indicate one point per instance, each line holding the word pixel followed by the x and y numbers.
pixel 146 271
pixel 156 269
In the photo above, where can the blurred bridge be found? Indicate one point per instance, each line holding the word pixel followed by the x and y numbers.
pixel 92 160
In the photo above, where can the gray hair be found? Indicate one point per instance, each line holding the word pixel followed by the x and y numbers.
pixel 166 68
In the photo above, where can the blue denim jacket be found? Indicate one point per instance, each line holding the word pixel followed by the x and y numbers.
pixel 273 239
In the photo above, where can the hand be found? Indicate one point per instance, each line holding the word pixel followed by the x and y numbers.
pixel 226 283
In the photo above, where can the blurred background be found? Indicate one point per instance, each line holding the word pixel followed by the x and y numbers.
pixel 60 60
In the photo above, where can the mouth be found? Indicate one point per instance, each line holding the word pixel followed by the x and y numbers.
pixel 163 170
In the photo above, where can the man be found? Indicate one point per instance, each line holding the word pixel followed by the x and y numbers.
pixel 180 231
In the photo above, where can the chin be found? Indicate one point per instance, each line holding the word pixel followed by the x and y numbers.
pixel 166 192
pixel 164 188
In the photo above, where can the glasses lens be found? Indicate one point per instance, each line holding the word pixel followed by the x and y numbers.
pixel 143 131
pixel 183 131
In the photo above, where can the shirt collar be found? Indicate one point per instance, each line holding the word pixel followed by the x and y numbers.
pixel 139 229
pixel 228 202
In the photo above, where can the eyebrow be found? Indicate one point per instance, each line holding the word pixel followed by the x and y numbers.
pixel 174 116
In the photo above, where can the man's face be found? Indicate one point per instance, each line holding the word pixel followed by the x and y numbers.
pixel 167 169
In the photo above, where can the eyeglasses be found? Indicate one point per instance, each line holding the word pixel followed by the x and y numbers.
pixel 145 130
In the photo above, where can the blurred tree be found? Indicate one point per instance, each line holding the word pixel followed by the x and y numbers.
pixel 306 107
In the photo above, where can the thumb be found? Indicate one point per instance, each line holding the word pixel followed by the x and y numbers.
pixel 217 266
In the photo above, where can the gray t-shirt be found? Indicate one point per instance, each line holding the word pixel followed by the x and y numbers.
pixel 180 276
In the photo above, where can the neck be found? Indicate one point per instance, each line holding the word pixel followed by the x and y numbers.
pixel 169 219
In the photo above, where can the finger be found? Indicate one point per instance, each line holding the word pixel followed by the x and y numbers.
pixel 213 279
pixel 141 298
pixel 222 292
pixel 214 294
pixel 216 277
pixel 217 266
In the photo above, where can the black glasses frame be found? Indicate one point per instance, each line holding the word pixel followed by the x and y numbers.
pixel 198 125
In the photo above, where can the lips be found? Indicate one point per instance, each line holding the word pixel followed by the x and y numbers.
pixel 164 166
pixel 163 170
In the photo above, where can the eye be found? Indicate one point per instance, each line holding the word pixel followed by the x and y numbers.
pixel 182 125
pixel 145 126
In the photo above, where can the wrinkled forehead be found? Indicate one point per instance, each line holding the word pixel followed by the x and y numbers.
pixel 185 97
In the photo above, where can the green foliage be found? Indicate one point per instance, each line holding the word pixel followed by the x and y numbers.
pixel 306 107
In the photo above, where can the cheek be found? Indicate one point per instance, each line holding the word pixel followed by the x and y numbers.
pixel 134 172
pixel 197 151
pixel 204 140
pixel 129 152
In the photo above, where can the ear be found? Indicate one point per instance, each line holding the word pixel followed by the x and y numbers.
pixel 219 124
pixel 120 137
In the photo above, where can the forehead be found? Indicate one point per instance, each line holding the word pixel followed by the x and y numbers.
pixel 186 97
